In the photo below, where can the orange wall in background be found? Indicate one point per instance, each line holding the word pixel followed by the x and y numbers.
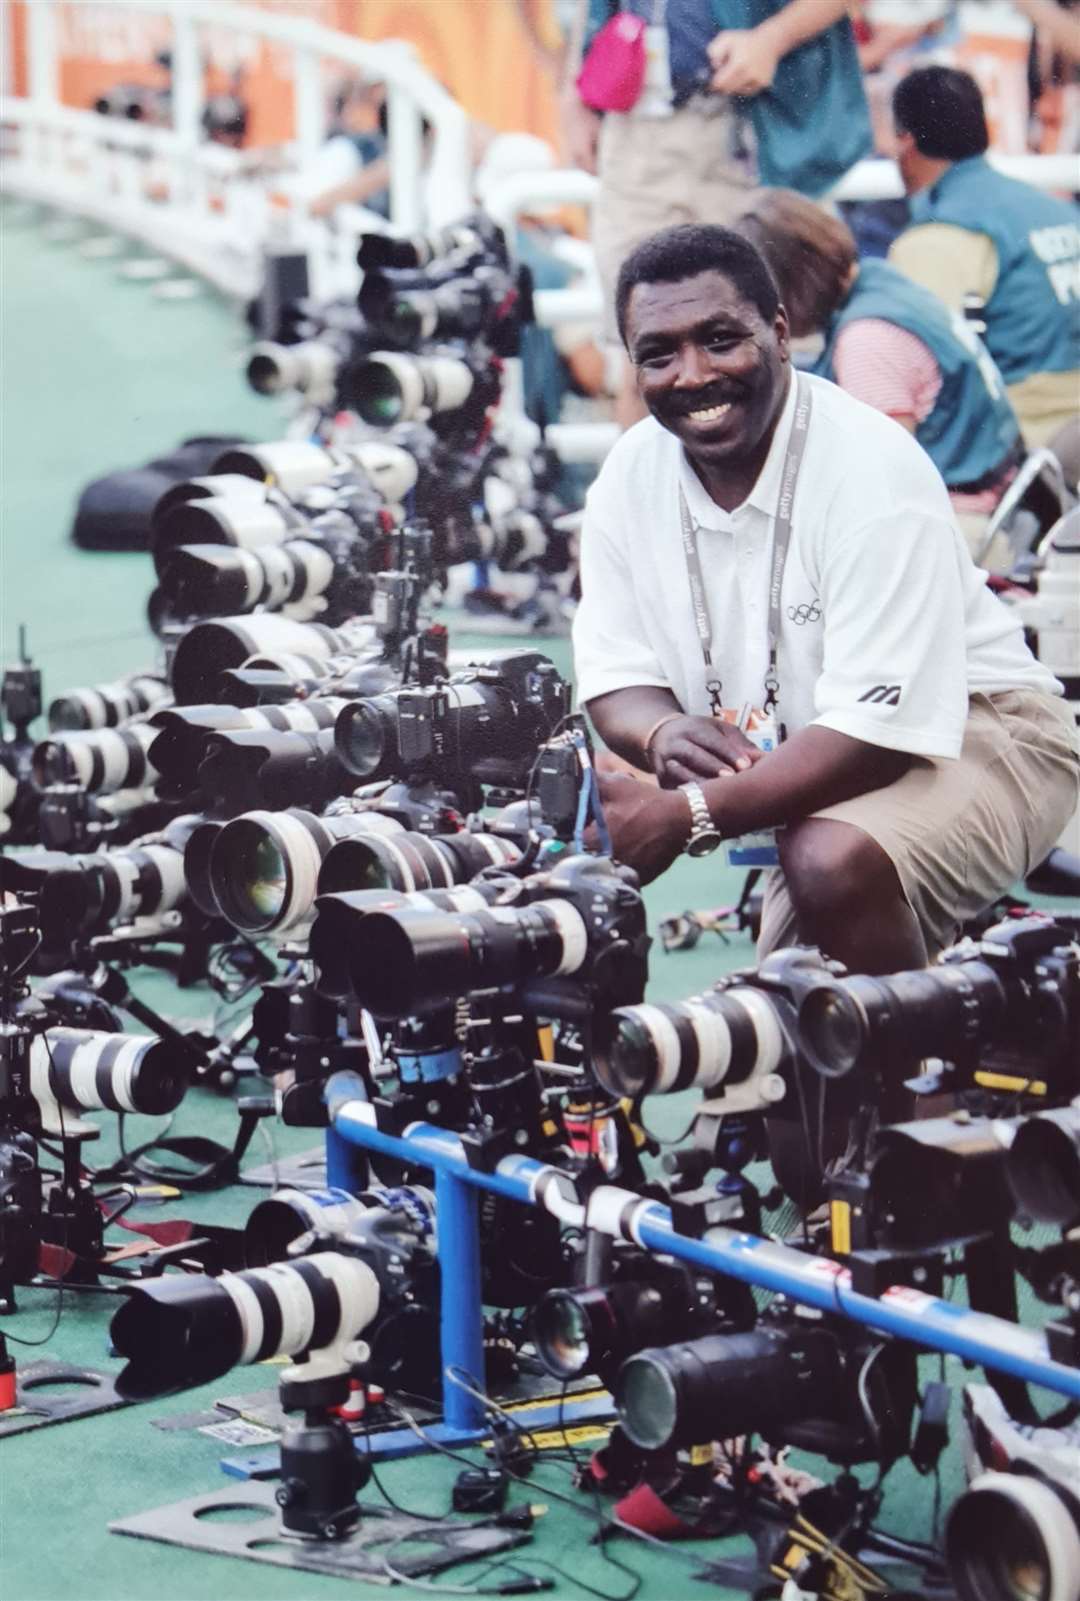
pixel 480 49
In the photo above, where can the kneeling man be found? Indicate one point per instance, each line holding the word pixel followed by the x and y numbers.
pixel 764 547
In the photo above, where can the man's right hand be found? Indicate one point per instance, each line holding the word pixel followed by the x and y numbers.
pixel 699 747
pixel 581 131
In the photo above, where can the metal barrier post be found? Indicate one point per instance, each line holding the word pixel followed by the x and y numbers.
pixel 461 1317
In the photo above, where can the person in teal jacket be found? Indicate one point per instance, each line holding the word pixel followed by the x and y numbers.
pixel 736 93
pixel 903 351
pixel 977 236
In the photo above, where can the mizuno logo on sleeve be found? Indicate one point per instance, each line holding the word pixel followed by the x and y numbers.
pixel 883 694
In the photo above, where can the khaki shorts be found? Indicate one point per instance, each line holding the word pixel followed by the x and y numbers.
pixel 961 833
pixel 658 171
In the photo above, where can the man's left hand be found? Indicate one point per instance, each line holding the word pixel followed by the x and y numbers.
pixel 648 826
pixel 743 60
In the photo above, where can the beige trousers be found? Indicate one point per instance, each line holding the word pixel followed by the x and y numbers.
pixel 960 833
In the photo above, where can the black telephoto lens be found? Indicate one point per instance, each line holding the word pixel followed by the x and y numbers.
pixel 591 1330
pixel 84 894
pixel 846 1024
pixel 408 959
pixel 212 580
pixel 209 649
pixel 938 1178
pixel 340 915
pixel 246 769
pixel 366 737
pixel 183 731
pixel 181 740
pixel 728 1384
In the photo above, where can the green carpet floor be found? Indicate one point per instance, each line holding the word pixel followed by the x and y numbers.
pixel 98 374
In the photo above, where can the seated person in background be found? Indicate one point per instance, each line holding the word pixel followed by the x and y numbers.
pixel 555 361
pixel 360 123
pixel 978 235
pixel 892 344
pixel 763 540
pixel 892 35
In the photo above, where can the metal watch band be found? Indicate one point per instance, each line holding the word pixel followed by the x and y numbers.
pixel 700 820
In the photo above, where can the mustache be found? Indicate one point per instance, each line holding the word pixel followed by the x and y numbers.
pixel 702 399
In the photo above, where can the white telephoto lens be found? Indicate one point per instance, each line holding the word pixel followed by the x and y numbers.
pixel 247 523
pixel 392 470
pixel 451 381
pixel 291 465
pixel 1011 1535
pixel 573 933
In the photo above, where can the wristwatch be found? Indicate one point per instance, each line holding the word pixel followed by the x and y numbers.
pixel 704 834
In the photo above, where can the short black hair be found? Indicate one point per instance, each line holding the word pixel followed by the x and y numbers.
pixel 942 109
pixel 690 248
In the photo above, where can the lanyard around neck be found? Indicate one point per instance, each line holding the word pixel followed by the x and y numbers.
pixel 789 477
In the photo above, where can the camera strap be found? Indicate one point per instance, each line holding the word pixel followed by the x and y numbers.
pixel 588 799
pixel 780 543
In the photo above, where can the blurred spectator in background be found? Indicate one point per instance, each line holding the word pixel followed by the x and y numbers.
pixel 736 93
pixel 1057 25
pixel 981 240
pixel 358 172
pixel 555 361
pixel 892 36
pixel 1054 75
pixel 889 28
pixel 894 345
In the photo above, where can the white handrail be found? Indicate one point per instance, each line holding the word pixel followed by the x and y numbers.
pixel 227 207
pixel 97 166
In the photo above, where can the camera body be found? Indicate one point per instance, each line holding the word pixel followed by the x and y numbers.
pixel 480 726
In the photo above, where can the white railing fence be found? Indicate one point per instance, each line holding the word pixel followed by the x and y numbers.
pixel 217 211
pixel 213 209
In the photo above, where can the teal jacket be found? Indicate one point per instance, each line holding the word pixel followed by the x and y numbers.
pixel 972 427
pixel 1033 315
pixel 813 123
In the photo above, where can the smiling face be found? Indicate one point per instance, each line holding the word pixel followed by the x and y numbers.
pixel 713 372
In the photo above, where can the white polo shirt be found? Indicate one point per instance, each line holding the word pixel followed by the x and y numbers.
pixel 887 626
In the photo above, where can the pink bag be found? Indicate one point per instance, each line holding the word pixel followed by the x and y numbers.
pixel 613 71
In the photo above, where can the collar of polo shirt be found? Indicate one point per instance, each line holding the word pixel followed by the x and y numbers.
pixel 704 511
